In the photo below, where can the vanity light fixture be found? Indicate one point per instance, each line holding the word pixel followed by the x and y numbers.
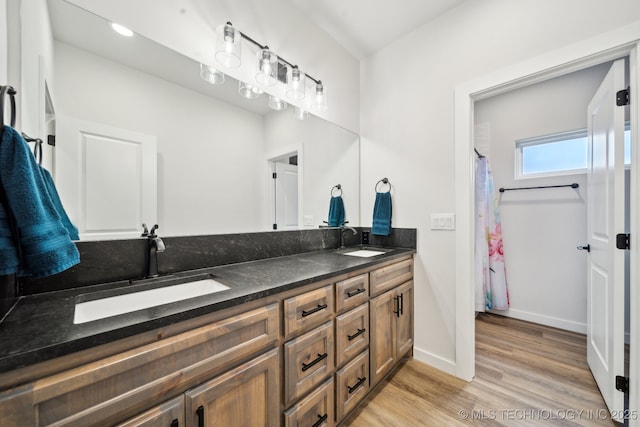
pixel 319 101
pixel 228 46
pixel 248 91
pixel 295 83
pixel 267 73
pixel 300 113
pixel 271 68
pixel 121 29
pixel 211 75
pixel 277 104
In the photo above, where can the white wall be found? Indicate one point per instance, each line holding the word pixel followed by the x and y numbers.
pixel 4 40
pixel 36 68
pixel 189 28
pixel 330 156
pixel 547 276
pixel 196 160
pixel 407 124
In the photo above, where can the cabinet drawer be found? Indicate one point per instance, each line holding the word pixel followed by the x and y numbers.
pixel 352 384
pixel 308 360
pixel 315 410
pixel 352 333
pixel 118 387
pixel 307 310
pixel 391 276
pixel 167 414
pixel 352 292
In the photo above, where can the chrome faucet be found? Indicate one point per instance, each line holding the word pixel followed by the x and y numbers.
pixel 343 228
pixel 154 246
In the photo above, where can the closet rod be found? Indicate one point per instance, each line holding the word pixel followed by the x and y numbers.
pixel 574 185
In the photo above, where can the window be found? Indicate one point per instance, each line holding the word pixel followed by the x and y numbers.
pixel 558 154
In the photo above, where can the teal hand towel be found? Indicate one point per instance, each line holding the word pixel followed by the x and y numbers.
pixel 336 212
pixel 44 243
pixel 57 203
pixel 381 225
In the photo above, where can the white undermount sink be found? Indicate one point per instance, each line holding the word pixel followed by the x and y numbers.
pixel 126 303
pixel 364 253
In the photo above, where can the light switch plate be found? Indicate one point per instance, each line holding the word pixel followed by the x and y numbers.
pixel 307 220
pixel 443 221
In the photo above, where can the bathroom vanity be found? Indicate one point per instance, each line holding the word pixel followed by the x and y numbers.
pixel 295 341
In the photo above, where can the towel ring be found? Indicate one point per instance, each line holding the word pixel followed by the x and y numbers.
pixel 336 187
pixel 383 181
pixel 11 92
pixel 37 148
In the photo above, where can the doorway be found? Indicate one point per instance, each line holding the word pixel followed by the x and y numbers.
pixel 285 189
pixel 537 141
pixel 556 63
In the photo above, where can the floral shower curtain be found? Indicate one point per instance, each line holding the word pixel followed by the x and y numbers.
pixel 490 275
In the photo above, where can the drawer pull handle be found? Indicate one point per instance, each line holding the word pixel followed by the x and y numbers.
pixel 200 413
pixel 360 332
pixel 355 292
pixel 357 385
pixel 320 307
pixel 321 419
pixel 175 423
pixel 317 360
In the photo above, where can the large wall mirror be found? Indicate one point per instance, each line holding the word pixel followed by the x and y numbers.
pixel 215 151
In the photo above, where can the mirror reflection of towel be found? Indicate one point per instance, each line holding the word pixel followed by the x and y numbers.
pixel 381 225
pixel 336 212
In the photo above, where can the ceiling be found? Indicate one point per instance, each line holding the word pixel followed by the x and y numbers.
pixel 365 26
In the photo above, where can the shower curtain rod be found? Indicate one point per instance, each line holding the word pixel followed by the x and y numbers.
pixel 574 185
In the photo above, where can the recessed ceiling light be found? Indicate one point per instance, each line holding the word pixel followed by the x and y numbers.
pixel 122 30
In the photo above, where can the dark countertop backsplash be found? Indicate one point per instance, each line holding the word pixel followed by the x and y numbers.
pixel 114 260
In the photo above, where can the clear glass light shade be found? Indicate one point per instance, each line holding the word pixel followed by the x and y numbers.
pixel 248 91
pixel 319 100
pixel 300 113
pixel 228 46
pixel 267 72
pixel 295 83
pixel 211 75
pixel 277 104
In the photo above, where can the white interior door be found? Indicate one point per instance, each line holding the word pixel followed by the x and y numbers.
pixel 605 296
pixel 106 177
pixel 286 195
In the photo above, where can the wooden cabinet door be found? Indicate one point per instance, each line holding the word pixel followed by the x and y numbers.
pixel 404 323
pixel 167 414
pixel 382 338
pixel 245 396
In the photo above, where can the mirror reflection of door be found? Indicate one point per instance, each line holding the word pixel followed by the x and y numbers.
pixel 285 191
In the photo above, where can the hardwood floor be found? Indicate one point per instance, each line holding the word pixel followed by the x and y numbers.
pixel 526 375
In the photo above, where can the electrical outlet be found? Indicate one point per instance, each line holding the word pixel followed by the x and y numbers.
pixel 307 220
pixel 365 237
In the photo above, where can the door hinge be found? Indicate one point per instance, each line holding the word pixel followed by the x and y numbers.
pixel 622 384
pixel 622 97
pixel 622 241
pixel 274 175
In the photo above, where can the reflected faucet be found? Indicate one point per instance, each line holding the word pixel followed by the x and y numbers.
pixel 154 246
pixel 343 228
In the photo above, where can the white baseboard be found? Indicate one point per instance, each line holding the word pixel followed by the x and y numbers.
pixel 556 322
pixel 434 360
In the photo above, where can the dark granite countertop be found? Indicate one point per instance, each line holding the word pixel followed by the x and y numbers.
pixel 40 327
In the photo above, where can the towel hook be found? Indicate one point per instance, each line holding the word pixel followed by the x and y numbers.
pixel 336 187
pixel 383 181
pixel 11 92
pixel 37 148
